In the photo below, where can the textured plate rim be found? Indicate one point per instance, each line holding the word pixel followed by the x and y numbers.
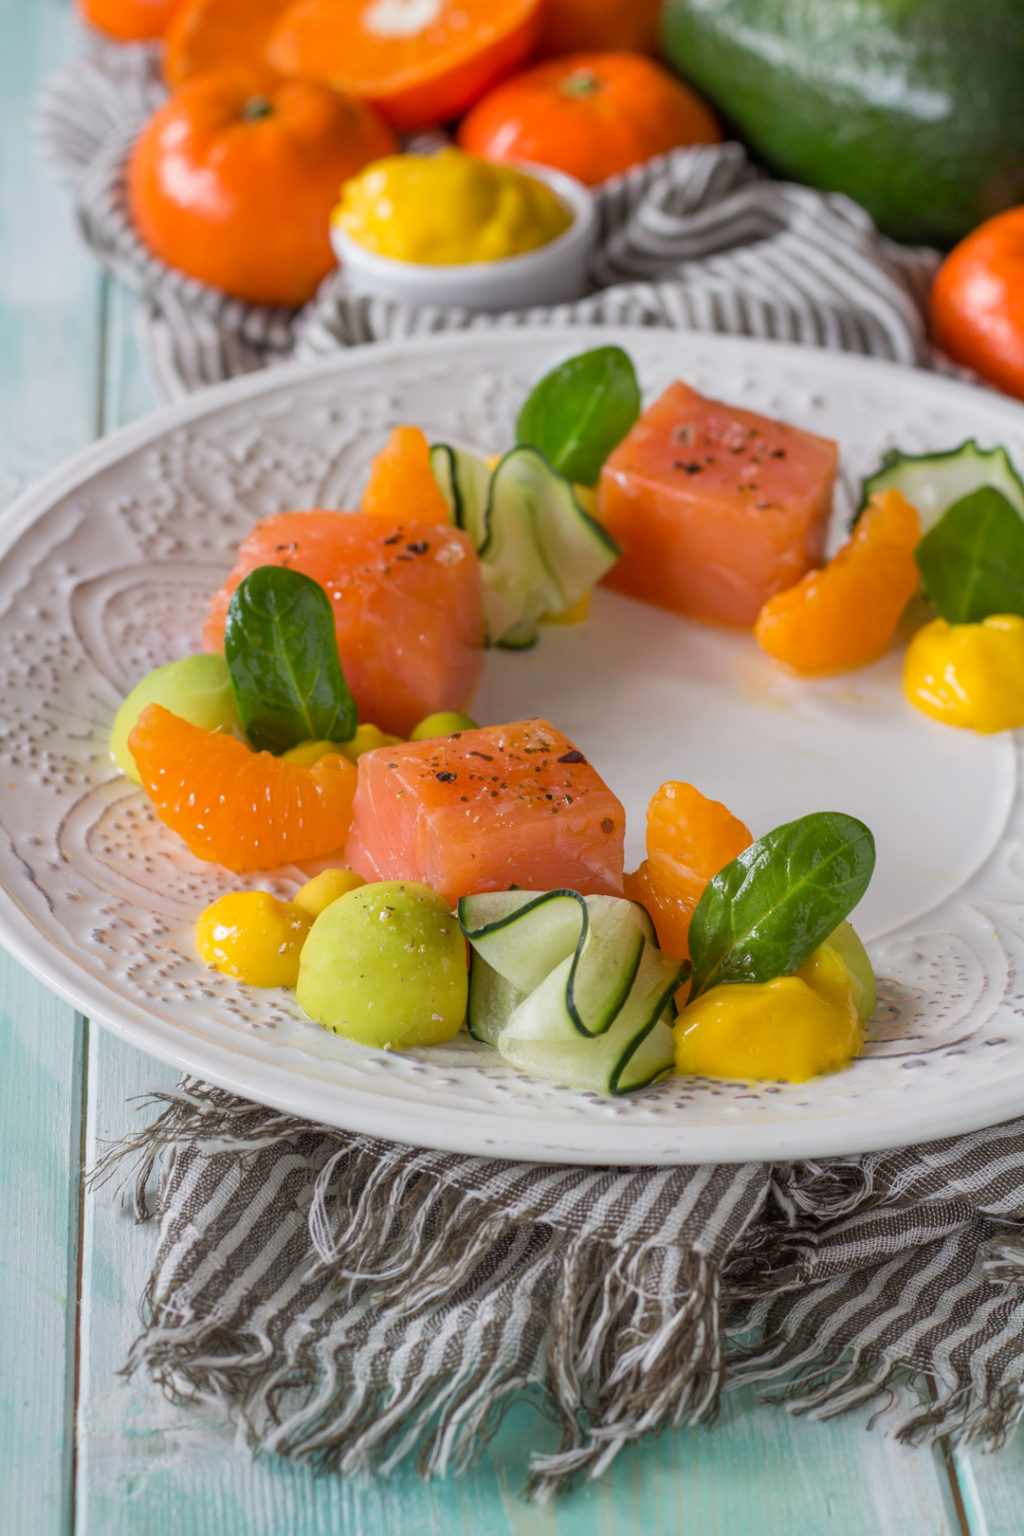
pixel 370 1114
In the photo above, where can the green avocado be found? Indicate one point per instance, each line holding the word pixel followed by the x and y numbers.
pixel 913 107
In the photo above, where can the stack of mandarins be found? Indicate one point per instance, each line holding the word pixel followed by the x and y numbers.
pixel 276 102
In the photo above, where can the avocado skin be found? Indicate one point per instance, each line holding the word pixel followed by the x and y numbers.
pixel 913 107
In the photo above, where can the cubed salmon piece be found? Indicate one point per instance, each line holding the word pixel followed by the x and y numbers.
pixel 485 810
pixel 408 609
pixel 716 508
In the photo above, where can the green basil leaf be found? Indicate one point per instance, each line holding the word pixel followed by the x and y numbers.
pixel 767 911
pixel 972 561
pixel 282 654
pixel 580 411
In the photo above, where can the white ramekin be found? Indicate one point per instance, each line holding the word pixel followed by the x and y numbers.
pixel 555 273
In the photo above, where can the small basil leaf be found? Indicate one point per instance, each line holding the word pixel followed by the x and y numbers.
pixel 972 561
pixel 282 654
pixel 767 911
pixel 580 411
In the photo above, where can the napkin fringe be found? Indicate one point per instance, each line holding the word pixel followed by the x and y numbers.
pixel 826 1383
pixel 402 1309
pixel 631 1339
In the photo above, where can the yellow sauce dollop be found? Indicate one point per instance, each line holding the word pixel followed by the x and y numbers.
pixel 366 739
pixel 252 935
pixel 785 1030
pixel 447 209
pixel 969 675
pixel 318 893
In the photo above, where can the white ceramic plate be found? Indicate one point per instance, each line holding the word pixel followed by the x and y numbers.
pixel 104 574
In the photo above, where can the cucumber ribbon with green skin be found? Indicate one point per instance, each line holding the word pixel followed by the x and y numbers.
pixel 933 482
pixel 569 987
pixel 539 551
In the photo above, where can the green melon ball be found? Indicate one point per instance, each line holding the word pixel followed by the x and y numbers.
pixel 385 966
pixel 197 688
pixel 847 945
pixel 444 724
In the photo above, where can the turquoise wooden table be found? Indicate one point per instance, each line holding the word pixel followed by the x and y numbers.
pixel 81 1449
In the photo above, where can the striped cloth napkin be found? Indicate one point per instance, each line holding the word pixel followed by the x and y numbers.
pixel 696 239
pixel 353 1302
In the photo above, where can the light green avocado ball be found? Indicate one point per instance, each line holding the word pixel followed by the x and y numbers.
pixel 385 966
pixel 847 945
pixel 444 724
pixel 197 688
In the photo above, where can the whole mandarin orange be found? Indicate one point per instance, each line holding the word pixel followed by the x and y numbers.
pixel 233 180
pixel 977 302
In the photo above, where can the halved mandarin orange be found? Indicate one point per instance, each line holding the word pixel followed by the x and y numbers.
pixel 130 21
pixel 207 35
pixel 418 61
pixel 846 614
pixel 236 807
pixel 402 485
pixel 689 839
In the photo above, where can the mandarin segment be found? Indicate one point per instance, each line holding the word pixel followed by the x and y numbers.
pixel 402 485
pixel 236 807
pixel 846 615
pixel 196 688
pixel 689 839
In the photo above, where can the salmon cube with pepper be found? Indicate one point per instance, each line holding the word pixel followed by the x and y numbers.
pixel 408 609
pixel 716 508
pixel 485 810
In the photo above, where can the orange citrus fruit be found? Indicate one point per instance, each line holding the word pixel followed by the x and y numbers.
pixel 236 807
pixel 402 485
pixel 846 614
pixel 689 839
pixel 420 62
pixel 233 178
pixel 977 302
pixel 207 35
pixel 130 21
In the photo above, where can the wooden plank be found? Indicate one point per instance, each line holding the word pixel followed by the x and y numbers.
pixel 40 1132
pixel 49 348
pixel 128 391
pixel 49 307
pixel 992 1486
